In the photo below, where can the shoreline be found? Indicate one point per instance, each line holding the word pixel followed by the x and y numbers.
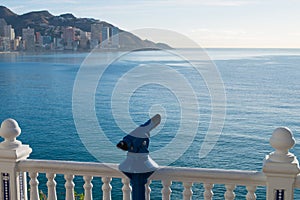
pixel 9 52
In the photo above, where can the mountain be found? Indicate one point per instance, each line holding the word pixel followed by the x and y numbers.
pixel 41 21
pixel 6 13
pixel 48 24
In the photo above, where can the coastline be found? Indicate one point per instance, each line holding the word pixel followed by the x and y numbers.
pixel 9 52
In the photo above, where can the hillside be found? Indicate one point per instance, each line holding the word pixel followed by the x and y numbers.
pixel 48 24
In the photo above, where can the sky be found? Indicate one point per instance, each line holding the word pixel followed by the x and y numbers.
pixel 210 23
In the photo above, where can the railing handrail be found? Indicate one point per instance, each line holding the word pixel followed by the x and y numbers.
pixel 280 172
pixel 70 167
pixel 181 174
pixel 215 176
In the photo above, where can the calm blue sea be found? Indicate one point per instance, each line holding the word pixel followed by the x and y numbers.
pixel 261 86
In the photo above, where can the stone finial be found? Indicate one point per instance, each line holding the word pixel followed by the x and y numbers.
pixel 10 130
pixel 282 140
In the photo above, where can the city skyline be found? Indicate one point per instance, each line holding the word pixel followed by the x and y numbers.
pixel 215 23
pixel 59 38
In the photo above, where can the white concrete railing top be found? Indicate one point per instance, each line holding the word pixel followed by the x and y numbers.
pixel 279 174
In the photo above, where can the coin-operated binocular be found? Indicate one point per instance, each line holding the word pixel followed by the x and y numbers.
pixel 138 166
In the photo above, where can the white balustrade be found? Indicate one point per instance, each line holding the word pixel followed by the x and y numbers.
pixel 11 152
pixel 34 183
pixel 229 194
pixel 280 172
pixel 187 191
pixel 69 185
pixel 166 190
pixel 126 189
pixel 51 184
pixel 148 189
pixel 106 188
pixel 179 174
pixel 251 192
pixel 88 186
pixel 208 193
pixel 281 167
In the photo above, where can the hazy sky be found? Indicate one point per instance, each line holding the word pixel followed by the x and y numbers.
pixel 210 23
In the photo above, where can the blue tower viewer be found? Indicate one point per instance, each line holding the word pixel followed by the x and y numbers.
pixel 138 166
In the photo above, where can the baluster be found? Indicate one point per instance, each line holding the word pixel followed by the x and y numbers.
pixel 187 192
pixel 69 185
pixel 34 183
pixel 148 189
pixel 229 194
pixel 166 190
pixel 126 189
pixel 106 188
pixel 51 184
pixel 251 192
pixel 208 193
pixel 88 186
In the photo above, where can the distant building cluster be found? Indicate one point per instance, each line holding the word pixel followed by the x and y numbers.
pixel 69 38
pixel 104 36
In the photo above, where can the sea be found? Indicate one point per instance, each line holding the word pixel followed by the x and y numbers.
pixel 219 107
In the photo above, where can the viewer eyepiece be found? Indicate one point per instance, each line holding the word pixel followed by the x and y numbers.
pixel 122 145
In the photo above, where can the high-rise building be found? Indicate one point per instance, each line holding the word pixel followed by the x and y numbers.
pixel 9 32
pixel 115 39
pixel 38 39
pixel 4 44
pixel 110 37
pixel 69 38
pixel 15 45
pixel 58 43
pixel 7 38
pixel 96 35
pixel 2 24
pixel 84 40
pixel 105 42
pixel 47 40
pixel 28 39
